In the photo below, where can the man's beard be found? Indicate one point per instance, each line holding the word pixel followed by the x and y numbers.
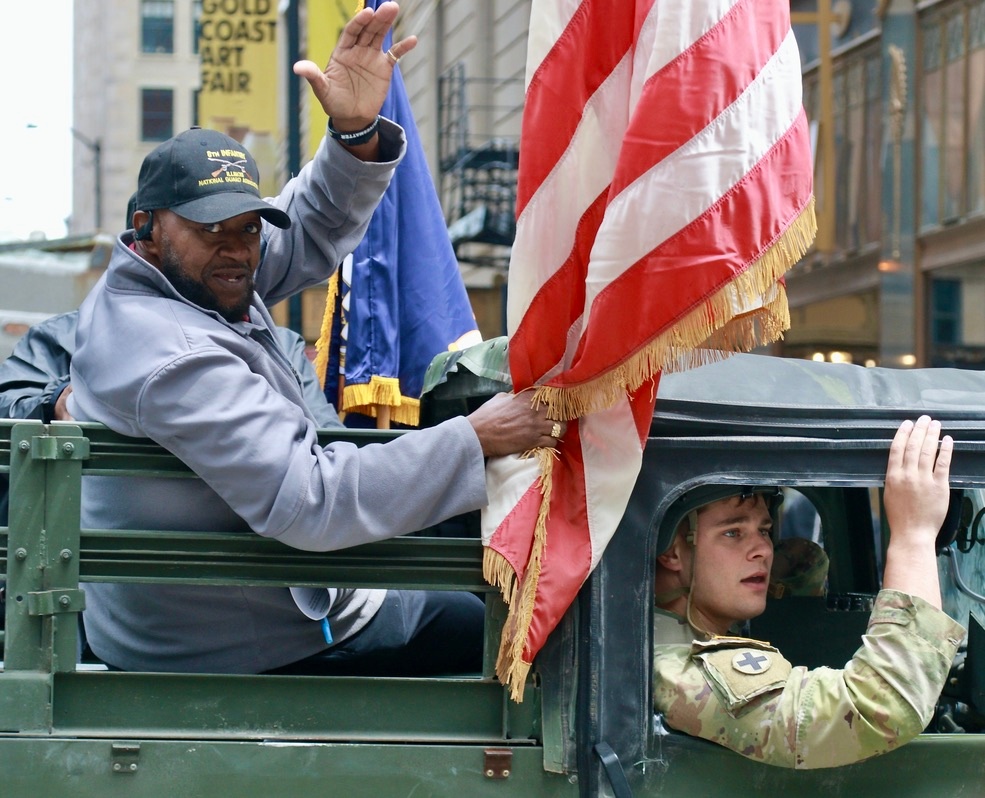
pixel 199 293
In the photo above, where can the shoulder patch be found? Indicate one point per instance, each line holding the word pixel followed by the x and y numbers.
pixel 752 662
pixel 740 670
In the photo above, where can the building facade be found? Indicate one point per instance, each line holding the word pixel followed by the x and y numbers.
pixel 136 76
pixel 898 271
pixel 900 278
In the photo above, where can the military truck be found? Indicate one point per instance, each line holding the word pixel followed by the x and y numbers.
pixel 586 726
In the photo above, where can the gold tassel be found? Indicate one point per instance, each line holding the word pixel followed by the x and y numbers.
pixel 511 669
pixel 709 332
pixel 498 572
pixel 324 341
pixel 364 398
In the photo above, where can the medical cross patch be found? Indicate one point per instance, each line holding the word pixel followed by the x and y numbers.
pixel 751 662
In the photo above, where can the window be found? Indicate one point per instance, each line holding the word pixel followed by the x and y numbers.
pixel 870 202
pixel 156 114
pixel 157 26
pixel 196 24
pixel 932 91
pixel 945 297
pixel 952 170
pixel 956 323
pixel 951 93
pixel 858 140
pixel 976 111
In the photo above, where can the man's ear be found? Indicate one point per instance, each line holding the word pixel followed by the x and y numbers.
pixel 671 559
pixel 143 225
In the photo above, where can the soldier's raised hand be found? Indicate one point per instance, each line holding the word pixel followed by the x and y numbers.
pixel 916 499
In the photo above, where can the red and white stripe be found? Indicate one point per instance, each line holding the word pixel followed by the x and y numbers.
pixel 664 149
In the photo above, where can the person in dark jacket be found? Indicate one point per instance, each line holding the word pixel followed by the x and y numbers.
pixel 35 383
pixel 34 379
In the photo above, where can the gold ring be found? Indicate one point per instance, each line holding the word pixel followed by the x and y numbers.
pixel 389 54
pixel 556 430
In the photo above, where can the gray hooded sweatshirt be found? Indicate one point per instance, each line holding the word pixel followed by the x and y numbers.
pixel 223 397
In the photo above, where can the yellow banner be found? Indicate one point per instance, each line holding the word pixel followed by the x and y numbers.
pixel 238 55
pixel 326 18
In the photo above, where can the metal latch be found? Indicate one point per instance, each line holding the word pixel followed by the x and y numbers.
pixel 55 447
pixel 124 757
pixel 52 602
pixel 497 763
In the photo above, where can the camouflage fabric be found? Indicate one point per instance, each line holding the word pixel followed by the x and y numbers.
pixel 742 694
pixel 800 568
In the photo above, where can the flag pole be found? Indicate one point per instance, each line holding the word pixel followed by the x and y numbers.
pixel 383 416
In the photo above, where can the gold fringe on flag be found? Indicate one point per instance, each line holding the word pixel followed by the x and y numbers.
pixel 498 572
pixel 366 398
pixel 511 668
pixel 711 331
pixel 324 341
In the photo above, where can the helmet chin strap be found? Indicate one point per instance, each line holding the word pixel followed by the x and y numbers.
pixel 694 624
pixel 660 599
pixel 692 539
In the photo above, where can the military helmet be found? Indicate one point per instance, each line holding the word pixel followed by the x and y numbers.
pixel 686 506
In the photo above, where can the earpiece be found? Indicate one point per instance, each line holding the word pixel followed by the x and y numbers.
pixel 144 232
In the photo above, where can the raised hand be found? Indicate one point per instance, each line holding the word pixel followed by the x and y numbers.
pixel 916 499
pixel 917 490
pixel 351 89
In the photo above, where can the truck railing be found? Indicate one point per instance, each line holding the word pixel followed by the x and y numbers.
pixel 47 558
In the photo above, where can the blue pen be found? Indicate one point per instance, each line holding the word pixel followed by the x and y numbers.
pixel 326 630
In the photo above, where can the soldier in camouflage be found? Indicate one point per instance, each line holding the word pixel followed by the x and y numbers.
pixel 742 693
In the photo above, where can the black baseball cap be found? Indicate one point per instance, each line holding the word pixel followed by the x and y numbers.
pixel 204 176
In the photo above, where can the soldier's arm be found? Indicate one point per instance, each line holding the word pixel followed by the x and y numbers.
pixel 800 718
pixel 916 500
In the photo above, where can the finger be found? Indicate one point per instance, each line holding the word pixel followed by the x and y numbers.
pixel 928 448
pixel 308 70
pixel 369 38
pixel 942 468
pixel 378 25
pixel 404 46
pixel 354 28
pixel 898 446
pixel 914 445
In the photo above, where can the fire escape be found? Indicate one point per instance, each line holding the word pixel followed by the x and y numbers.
pixel 477 166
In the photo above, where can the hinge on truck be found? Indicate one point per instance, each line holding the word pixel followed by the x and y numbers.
pixel 52 602
pixel 497 763
pixel 55 447
pixel 124 757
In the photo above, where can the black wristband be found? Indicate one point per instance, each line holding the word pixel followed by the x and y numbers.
pixel 357 136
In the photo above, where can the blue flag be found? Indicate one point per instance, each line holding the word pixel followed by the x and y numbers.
pixel 401 301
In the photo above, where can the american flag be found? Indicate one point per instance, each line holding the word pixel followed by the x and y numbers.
pixel 665 187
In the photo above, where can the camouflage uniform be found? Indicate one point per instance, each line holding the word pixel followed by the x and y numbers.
pixel 744 695
pixel 800 568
